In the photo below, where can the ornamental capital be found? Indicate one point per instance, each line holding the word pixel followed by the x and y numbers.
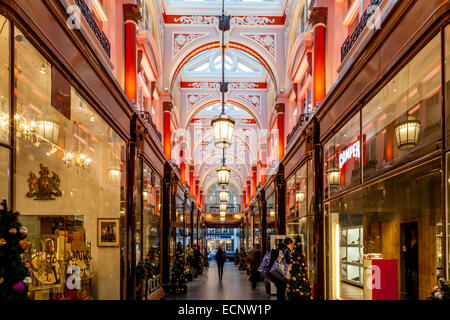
pixel 318 16
pixel 131 13
pixel 279 107
pixel 167 106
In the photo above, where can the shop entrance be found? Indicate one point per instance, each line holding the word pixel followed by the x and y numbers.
pixel 409 265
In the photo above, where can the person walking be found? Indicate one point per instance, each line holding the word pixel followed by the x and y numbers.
pixel 254 260
pixel 220 259
pixel 285 248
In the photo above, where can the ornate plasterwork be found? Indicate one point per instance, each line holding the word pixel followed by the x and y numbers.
pixel 266 40
pixel 192 99
pixel 235 20
pixel 238 85
pixel 182 40
pixel 253 99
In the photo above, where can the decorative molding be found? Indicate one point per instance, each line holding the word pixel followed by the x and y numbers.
pixel 253 99
pixel 237 85
pixel 235 20
pixel 266 40
pixel 318 16
pixel 192 99
pixel 131 12
pixel 182 40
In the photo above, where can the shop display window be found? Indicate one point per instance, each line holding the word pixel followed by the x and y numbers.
pixel 403 121
pixel 394 220
pixel 5 79
pixel 152 216
pixel 271 215
pixel 69 185
pixel 342 158
pixel 296 194
pixel 447 81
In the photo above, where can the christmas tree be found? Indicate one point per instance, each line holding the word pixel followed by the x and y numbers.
pixel 243 260
pixel 298 285
pixel 14 274
pixel 178 282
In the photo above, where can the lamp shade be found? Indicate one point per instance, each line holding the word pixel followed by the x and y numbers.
pixel 223 126
pixel 223 176
pixel 223 195
pixel 334 177
pixel 48 130
pixel 223 207
pixel 272 213
pixel 407 132
pixel 300 196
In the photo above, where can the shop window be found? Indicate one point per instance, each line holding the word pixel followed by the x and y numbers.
pixel 69 185
pixel 393 224
pixel 5 176
pixel 403 121
pixel 296 194
pixel 342 158
pixel 5 77
pixel 447 81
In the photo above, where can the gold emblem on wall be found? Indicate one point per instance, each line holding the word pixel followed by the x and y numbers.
pixel 44 187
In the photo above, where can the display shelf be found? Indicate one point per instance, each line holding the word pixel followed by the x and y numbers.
pixel 351 250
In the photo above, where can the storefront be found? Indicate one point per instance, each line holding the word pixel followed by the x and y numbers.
pixel 384 181
pixel 59 145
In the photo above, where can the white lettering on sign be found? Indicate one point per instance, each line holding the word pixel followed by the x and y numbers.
pixel 350 152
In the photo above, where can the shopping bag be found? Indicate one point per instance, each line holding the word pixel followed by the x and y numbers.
pixel 263 268
pixel 280 268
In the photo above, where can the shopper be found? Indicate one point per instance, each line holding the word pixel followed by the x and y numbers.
pixel 198 259
pixel 254 260
pixel 220 259
pixel 285 248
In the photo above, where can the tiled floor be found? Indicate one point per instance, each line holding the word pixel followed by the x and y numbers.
pixel 234 286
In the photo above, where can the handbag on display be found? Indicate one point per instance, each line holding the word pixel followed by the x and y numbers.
pixel 280 268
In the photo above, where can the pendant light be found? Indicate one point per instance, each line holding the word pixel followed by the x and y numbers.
pixel 300 196
pixel 223 173
pixel 223 195
pixel 407 132
pixel 223 124
pixel 223 206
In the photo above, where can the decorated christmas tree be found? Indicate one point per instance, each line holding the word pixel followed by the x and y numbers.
pixel 298 285
pixel 243 259
pixel 14 274
pixel 178 282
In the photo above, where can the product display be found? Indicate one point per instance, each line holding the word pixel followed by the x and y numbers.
pixel 351 255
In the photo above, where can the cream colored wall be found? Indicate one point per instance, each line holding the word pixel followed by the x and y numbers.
pixel 85 193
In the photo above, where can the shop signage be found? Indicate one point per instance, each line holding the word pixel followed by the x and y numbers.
pixel 350 152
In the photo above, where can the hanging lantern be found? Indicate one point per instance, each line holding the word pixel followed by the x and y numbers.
pixel 48 130
pixel 300 196
pixel 272 213
pixel 222 219
pixel 223 126
pixel 223 213
pixel 407 132
pixel 223 176
pixel 223 207
pixel 334 177
pixel 114 175
pixel 223 195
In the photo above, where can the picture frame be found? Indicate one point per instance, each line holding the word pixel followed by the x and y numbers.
pixel 108 232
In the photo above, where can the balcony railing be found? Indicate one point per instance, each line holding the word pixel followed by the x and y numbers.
pixel 90 20
pixel 148 117
pixel 302 118
pixel 351 39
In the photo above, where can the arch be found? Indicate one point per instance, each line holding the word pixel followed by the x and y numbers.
pixel 196 145
pixel 211 183
pixel 220 154
pixel 216 44
pixel 209 103
pixel 215 168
